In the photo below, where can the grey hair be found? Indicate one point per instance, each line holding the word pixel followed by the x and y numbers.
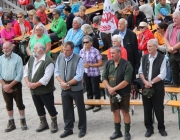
pixel 177 13
pixel 88 37
pixel 9 44
pixel 40 46
pixel 78 20
pixel 117 37
pixel 96 19
pixel 40 27
pixel 123 19
pixel 36 17
pixel 86 28
pixel 117 48
pixel 153 41
pixel 57 11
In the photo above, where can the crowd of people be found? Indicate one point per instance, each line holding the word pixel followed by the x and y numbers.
pixel 132 49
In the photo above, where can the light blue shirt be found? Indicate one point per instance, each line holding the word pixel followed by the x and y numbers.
pixel 76 38
pixel 122 34
pixel 79 71
pixel 11 68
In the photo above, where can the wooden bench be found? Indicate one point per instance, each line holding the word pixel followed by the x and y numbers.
pixel 56 50
pixel 102 102
pixel 176 104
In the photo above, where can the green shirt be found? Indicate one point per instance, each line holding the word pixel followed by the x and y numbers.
pixel 11 68
pixel 159 6
pixel 59 27
pixel 112 74
pixel 44 40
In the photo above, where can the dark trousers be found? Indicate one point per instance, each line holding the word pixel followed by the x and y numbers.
pixel 46 100
pixel 175 67
pixel 106 38
pixel 156 102
pixel 16 95
pixel 54 37
pixel 92 86
pixel 68 109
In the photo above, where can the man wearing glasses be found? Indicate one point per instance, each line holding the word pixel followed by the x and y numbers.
pixel 69 70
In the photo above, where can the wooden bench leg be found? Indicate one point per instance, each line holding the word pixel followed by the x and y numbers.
pixel 173 97
pixel 178 110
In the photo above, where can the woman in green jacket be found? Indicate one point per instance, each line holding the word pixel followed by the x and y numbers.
pixel 58 27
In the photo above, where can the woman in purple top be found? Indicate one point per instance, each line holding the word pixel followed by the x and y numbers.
pixel 91 3
pixel 92 61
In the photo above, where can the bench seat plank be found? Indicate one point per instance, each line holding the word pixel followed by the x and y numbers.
pixel 101 102
pixel 173 103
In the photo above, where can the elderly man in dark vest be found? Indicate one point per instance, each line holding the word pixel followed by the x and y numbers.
pixel 116 78
pixel 152 72
pixel 69 72
pixel 39 77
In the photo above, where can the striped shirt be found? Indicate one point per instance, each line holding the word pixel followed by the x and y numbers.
pixel 11 68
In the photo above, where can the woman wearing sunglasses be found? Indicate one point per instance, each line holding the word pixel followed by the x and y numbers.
pixel 144 36
pixel 92 61
pixel 22 26
pixel 58 27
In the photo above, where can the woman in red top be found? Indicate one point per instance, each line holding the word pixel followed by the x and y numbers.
pixel 22 26
pixel 116 41
pixel 144 37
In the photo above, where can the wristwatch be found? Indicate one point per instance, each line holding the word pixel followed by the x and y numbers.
pixel 152 82
pixel 92 65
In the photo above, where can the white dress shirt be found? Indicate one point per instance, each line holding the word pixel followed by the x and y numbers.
pixel 162 73
pixel 47 74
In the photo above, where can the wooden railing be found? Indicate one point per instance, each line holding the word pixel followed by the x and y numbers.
pixel 13 5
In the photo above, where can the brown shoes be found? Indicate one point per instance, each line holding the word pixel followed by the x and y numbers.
pixel 54 126
pixel 43 125
pixel 10 126
pixel 23 124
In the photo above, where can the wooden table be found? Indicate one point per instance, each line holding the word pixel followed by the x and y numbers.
pixel 19 38
pixel 48 26
pixel 105 52
pixel 94 9
pixel 48 11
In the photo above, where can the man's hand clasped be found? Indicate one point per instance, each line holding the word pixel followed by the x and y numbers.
pixel 64 86
pixel 7 88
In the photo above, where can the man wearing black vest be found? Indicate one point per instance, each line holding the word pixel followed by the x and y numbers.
pixel 152 72
pixel 116 78
pixel 69 72
pixel 39 77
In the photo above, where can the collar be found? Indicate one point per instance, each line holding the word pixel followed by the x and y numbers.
pixel 68 58
pixel 10 55
pixel 178 27
pixel 84 49
pixel 42 58
pixel 124 32
pixel 153 56
pixel 19 22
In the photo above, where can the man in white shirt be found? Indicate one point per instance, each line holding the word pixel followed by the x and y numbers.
pixel 39 77
pixel 152 72
pixel 37 22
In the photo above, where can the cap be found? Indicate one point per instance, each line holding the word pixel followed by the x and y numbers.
pixel 143 24
pixel 116 98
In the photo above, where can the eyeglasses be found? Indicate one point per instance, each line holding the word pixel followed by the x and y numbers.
pixel 85 42
pixel 19 17
pixel 54 14
pixel 158 28
pixel 141 27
